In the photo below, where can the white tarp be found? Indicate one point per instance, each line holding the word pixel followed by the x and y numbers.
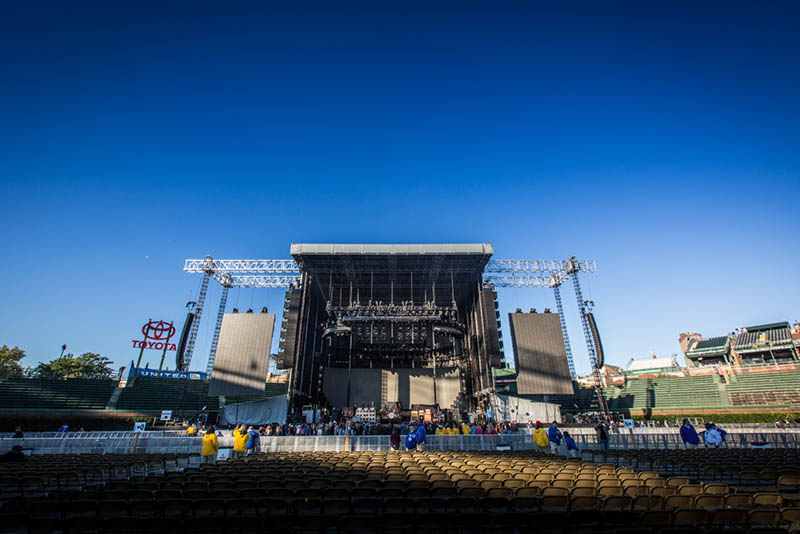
pixel 261 412
pixel 511 408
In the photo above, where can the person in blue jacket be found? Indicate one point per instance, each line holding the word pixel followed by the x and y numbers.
pixel 252 443
pixel 689 435
pixel 554 435
pixel 411 438
pixel 572 447
pixel 421 436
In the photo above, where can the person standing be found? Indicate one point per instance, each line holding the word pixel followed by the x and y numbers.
pixel 252 443
pixel 602 435
pixel 18 433
pixel 689 435
pixel 713 436
pixel 554 435
pixel 191 431
pixel 394 439
pixel 209 446
pixel 411 438
pixel 14 455
pixel 540 437
pixel 240 439
pixel 422 436
pixel 572 447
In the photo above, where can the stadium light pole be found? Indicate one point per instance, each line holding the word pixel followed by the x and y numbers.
pixel 63 348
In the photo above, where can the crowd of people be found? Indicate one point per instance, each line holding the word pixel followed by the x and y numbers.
pixel 351 428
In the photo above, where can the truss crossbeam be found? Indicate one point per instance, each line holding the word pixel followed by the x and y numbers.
pixel 536 266
pixel 242 266
pixel 264 280
pixel 517 280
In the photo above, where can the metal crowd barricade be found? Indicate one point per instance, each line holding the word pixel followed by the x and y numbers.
pixel 159 442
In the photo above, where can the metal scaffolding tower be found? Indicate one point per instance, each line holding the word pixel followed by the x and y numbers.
pixel 572 269
pixel 556 279
pixel 198 312
pixel 212 354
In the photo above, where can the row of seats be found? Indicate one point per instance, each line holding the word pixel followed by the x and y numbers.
pixel 738 499
pixel 51 473
pixel 280 505
pixel 439 523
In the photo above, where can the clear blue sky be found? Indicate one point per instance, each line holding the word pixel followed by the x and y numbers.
pixel 660 138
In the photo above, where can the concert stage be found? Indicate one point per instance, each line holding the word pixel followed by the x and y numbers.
pixel 382 324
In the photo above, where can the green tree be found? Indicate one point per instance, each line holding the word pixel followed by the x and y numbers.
pixel 87 365
pixel 9 361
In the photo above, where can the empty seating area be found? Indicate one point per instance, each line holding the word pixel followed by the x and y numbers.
pixel 155 394
pixel 275 389
pixel 687 392
pixel 443 492
pixel 667 392
pixel 143 395
pixel 54 394
pixel 776 389
pixel 583 399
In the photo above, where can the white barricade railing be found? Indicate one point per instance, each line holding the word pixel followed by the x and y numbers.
pixel 96 434
pixel 108 443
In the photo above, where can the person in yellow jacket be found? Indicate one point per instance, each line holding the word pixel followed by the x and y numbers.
pixel 240 439
pixel 191 431
pixel 452 430
pixel 439 430
pixel 210 446
pixel 464 428
pixel 540 437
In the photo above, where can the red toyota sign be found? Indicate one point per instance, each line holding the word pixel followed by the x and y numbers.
pixel 156 336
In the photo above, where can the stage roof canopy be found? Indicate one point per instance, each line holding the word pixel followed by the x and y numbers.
pixel 404 271
pixel 483 249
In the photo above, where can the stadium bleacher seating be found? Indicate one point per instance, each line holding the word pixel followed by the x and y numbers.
pixel 142 395
pixel 152 395
pixel 668 392
pixel 53 394
pixel 155 394
pixel 765 389
pixel 707 392
pixel 444 492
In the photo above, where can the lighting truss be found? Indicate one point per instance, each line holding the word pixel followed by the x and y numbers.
pixel 285 273
pixel 392 313
pixel 264 280
pixel 241 266
pixel 537 266
pixel 517 280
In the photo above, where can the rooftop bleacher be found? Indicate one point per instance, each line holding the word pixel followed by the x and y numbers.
pixel 711 343
pixel 776 336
